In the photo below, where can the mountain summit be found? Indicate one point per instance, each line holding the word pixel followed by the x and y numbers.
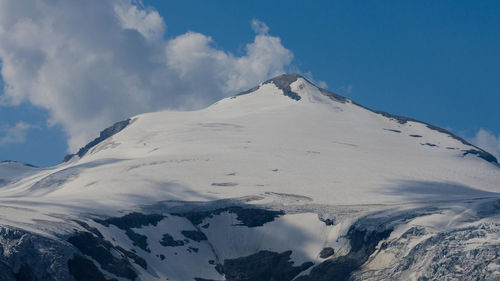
pixel 286 181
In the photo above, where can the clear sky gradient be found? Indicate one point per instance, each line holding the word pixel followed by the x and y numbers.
pixel 436 61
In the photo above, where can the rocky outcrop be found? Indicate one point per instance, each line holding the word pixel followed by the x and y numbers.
pixel 194 235
pixel 83 269
pixel 106 133
pixel 363 243
pixel 168 241
pixel 102 251
pixel 29 256
pixel 251 217
pixel 264 265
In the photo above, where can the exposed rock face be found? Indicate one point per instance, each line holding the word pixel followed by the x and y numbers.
pixel 194 235
pixel 7 274
pixel 28 256
pixel 134 220
pixel 138 239
pixel 326 252
pixel 283 83
pixel 481 154
pixel 250 217
pixel 102 251
pixel 460 253
pixel 363 244
pixel 264 265
pixel 453 255
pixel 106 133
pixel 83 269
pixel 168 241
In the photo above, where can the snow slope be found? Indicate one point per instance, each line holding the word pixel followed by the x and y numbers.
pixel 11 171
pixel 275 175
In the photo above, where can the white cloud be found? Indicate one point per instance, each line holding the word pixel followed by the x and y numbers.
pixel 193 60
pixel 259 27
pixel 148 22
pixel 14 134
pixel 91 63
pixel 487 141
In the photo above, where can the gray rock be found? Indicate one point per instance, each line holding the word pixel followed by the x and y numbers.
pixel 168 241
pixel 326 252
pixel 28 256
pixel 83 269
pixel 194 235
pixel 251 217
pixel 106 133
pixel 100 250
pixel 263 266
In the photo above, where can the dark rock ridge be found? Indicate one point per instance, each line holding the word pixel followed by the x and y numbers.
pixel 430 144
pixel 134 220
pixel 168 241
pixel 26 274
pixel 138 240
pixel 83 269
pixel 26 256
pixel 133 256
pixel 249 217
pixel 326 252
pixel 194 235
pixel 7 273
pixel 264 265
pixel 87 227
pixel 29 256
pixel 106 133
pixel 137 259
pixel 101 251
pixel 283 83
pixel 333 96
pixel 393 130
pixel 403 120
pixel 481 154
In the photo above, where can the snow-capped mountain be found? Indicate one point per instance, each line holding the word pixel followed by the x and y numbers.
pixel 286 181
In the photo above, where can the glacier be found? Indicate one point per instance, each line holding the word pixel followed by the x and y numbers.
pixel 286 181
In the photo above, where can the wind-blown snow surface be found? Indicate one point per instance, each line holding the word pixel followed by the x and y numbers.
pixel 284 182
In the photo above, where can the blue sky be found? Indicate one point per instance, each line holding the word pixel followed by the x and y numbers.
pixel 436 61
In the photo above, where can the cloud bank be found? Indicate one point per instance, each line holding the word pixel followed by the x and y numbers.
pixel 91 63
pixel 14 134
pixel 487 141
